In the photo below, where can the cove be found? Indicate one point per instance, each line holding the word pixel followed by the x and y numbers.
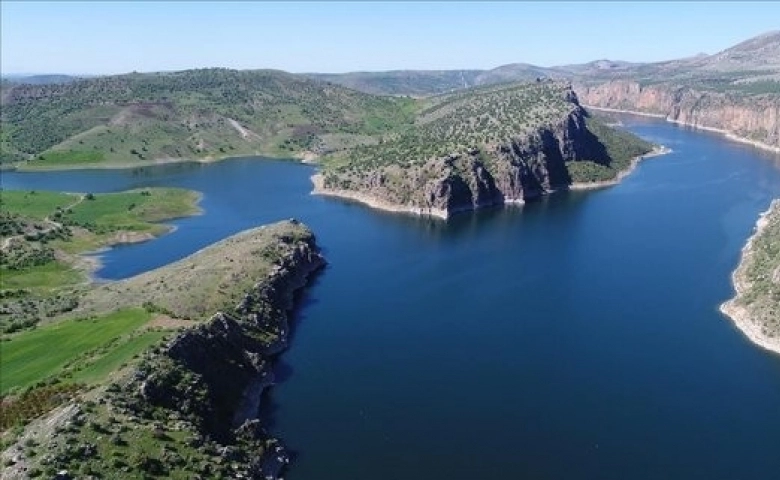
pixel 574 337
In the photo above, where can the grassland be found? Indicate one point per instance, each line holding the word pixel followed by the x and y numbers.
pixel 42 233
pixel 34 204
pixel 28 357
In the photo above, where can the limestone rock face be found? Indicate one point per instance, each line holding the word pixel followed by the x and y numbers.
pixel 755 117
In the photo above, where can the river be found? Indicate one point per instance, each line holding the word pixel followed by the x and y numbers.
pixel 574 337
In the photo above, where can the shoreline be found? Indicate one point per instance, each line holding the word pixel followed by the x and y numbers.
pixel 383 205
pixel 738 314
pixel 305 158
pixel 726 133
pixel 91 261
pixel 373 202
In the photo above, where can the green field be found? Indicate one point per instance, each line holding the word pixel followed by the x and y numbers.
pixel 98 367
pixel 42 231
pixel 32 356
pixel 41 278
pixel 69 157
pixel 134 210
pixel 34 204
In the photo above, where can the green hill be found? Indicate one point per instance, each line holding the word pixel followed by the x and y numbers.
pixel 195 114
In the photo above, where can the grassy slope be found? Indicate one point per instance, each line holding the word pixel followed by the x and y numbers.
pixel 34 204
pixel 29 357
pixel 139 119
pixel 41 279
pixel 213 279
pixel 621 146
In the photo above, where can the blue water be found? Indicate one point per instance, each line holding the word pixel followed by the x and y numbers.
pixel 575 337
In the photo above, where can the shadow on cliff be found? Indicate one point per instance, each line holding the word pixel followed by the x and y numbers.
pixel 592 148
pixel 303 299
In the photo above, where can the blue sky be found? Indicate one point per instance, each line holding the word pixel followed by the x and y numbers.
pixel 117 37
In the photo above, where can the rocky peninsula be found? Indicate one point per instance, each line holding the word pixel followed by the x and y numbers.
pixel 755 309
pixel 485 147
pixel 189 406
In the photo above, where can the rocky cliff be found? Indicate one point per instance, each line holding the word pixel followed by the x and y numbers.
pixel 546 141
pixel 213 375
pixel 754 118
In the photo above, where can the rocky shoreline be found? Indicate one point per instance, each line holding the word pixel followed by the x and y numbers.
pixel 742 316
pixel 232 357
pixel 380 204
pixel 374 202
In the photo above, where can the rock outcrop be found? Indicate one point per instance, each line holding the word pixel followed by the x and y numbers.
pixel 532 161
pixel 752 118
pixel 213 375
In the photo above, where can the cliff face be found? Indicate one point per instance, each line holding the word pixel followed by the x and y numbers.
pixel 213 375
pixel 751 117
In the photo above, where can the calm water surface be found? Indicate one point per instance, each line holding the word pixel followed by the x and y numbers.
pixel 576 337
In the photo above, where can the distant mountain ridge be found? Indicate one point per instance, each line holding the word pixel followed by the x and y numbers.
pixel 757 58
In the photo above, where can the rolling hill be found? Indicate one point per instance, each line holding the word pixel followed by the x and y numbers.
pixel 137 119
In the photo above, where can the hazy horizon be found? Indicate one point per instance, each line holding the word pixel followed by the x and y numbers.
pixel 91 38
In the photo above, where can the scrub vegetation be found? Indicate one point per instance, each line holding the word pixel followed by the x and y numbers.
pixel 141 119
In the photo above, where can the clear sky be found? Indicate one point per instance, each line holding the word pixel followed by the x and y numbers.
pixel 116 37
